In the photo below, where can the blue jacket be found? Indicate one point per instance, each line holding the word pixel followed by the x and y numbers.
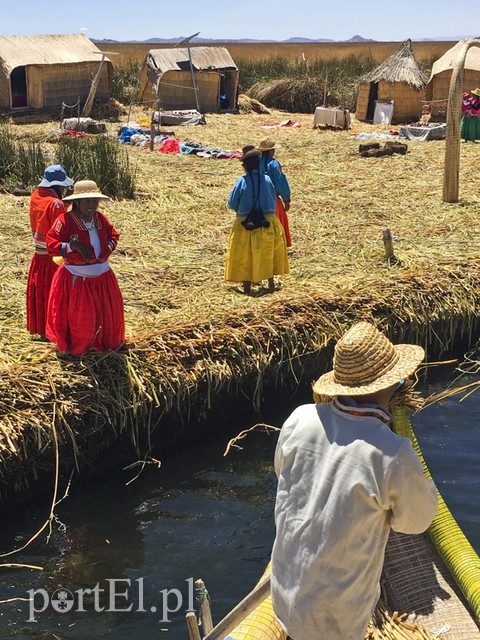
pixel 273 169
pixel 254 190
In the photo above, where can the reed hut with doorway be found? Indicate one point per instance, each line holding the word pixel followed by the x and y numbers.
pixel 166 79
pixel 438 85
pixel 43 71
pixel 397 78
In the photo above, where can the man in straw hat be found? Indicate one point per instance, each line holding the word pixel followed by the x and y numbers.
pixel 344 480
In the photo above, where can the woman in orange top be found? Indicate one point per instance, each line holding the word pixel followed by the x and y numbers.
pixel 45 206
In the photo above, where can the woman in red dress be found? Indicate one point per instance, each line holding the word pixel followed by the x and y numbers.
pixel 45 206
pixel 85 308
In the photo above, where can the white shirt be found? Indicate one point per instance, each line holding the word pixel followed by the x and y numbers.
pixel 343 482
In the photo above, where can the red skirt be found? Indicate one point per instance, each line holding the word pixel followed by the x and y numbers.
pixel 282 216
pixel 40 276
pixel 85 314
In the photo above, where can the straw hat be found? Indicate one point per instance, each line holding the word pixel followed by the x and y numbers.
pixel 267 145
pixel 86 189
pixel 476 92
pixel 55 176
pixel 249 151
pixel 366 361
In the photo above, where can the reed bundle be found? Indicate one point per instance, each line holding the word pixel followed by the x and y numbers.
pixel 192 338
pixel 290 94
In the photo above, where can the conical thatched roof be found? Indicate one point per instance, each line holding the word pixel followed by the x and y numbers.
pixel 399 67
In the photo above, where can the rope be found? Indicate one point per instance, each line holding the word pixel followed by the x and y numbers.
pixel 71 106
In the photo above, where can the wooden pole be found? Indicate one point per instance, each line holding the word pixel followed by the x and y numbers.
pixel 93 90
pixel 192 626
pixel 203 600
pixel 388 244
pixel 243 608
pixel 195 89
pixel 87 107
pixel 152 134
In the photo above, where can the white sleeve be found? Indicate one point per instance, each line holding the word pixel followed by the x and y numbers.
pixel 413 496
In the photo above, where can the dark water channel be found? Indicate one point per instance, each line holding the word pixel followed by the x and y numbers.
pixel 199 515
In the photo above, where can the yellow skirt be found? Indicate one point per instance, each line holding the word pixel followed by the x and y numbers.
pixel 256 255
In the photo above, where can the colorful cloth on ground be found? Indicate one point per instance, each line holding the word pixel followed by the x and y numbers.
pixel 45 206
pixel 284 123
pixel 344 481
pixel 172 145
pixel 84 313
pixel 262 253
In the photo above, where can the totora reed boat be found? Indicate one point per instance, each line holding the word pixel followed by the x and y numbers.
pixel 430 586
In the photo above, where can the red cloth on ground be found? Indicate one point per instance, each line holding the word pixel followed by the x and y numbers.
pixel 40 276
pixel 85 314
pixel 172 145
pixel 283 217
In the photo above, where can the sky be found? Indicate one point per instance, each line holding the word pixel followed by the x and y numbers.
pixel 235 19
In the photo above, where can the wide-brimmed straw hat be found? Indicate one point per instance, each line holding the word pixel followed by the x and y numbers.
pixel 476 92
pixel 86 189
pixel 249 151
pixel 366 361
pixel 267 145
pixel 55 176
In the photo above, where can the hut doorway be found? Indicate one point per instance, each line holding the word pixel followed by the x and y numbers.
pixel 18 84
pixel 372 96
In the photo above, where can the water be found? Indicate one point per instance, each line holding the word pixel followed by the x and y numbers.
pixel 199 515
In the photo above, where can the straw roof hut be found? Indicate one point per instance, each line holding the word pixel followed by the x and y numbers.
pixel 166 79
pixel 46 70
pixel 397 78
pixel 439 83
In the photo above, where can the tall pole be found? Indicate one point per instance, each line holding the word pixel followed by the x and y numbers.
pixel 93 87
pixel 195 89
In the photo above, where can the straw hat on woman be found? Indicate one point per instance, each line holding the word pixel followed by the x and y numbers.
pixel 45 206
pixel 345 479
pixel 271 166
pixel 85 310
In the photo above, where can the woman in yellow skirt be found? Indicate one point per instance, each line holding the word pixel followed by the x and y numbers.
pixel 257 249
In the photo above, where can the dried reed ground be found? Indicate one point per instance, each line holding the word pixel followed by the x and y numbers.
pixel 192 335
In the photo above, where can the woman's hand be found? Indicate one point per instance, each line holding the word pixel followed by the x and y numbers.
pixel 78 247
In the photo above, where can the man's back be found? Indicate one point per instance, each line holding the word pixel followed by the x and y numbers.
pixel 344 480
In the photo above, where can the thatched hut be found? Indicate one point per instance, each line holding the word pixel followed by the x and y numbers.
pixel 397 78
pixel 166 79
pixel 44 71
pixel 439 83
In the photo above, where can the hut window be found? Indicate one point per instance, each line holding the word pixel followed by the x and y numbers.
pixel 18 83
pixel 372 97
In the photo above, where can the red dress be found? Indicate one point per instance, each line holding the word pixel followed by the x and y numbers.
pixel 85 313
pixel 45 206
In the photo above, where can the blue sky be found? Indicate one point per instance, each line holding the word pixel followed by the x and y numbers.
pixel 232 19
